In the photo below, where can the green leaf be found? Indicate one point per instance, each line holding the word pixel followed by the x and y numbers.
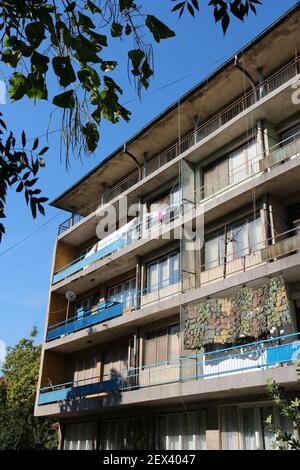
pixel 64 70
pixel 37 88
pixel 100 39
pixel 108 65
pixel 11 58
pixel 65 100
pixel 158 29
pixel 116 29
pixel 35 33
pixel 136 56
pixel 91 134
pixel 89 78
pixel 43 151
pixel 125 4
pixel 85 22
pixel 40 62
pixel 18 86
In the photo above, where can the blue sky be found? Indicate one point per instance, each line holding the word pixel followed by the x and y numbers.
pixel 197 50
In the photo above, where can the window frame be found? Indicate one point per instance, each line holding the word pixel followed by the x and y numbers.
pixel 157 262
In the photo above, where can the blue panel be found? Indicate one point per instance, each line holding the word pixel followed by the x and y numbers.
pixel 77 266
pixel 68 393
pixel 283 353
pixel 106 311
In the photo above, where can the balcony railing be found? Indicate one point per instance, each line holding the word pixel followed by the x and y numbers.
pixel 265 251
pixel 104 311
pixel 108 310
pixel 216 122
pixel 280 153
pixel 125 236
pixel 256 356
pixel 70 390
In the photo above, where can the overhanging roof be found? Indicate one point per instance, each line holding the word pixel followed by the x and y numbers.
pixel 210 95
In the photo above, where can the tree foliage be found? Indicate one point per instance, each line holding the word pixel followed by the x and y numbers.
pixel 71 41
pixel 19 429
pixel 290 409
pixel 18 169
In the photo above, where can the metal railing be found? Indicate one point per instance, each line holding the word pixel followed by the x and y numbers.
pixel 130 233
pixel 110 309
pixel 105 310
pixel 279 153
pixel 255 356
pixel 265 251
pixel 277 79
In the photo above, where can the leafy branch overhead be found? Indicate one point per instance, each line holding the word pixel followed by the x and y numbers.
pixel 72 40
pixel 18 168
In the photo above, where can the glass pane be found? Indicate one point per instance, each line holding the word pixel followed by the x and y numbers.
pixel 200 431
pixel 164 274
pixel 268 436
pixel 150 350
pixel 79 436
pixel 237 162
pixel 230 439
pixel 248 428
pixel 162 432
pixel 152 277
pixel 255 234
pixel 211 253
pixel 187 431
pixel 173 440
pixel 162 346
pixel 174 342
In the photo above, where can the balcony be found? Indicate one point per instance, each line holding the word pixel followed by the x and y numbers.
pixel 266 251
pixel 272 83
pixel 69 391
pixel 121 238
pixel 256 356
pixel 109 309
pixel 104 311
pixel 280 153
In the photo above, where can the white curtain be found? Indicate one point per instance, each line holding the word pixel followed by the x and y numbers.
pixel 79 436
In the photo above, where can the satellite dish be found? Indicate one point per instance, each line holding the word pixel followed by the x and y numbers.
pixel 70 296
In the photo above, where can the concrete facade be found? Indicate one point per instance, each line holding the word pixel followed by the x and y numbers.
pixel 113 354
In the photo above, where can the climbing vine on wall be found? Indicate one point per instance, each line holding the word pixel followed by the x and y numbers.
pixel 249 313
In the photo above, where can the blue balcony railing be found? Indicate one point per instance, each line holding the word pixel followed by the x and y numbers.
pixel 147 228
pixel 106 310
pixel 84 261
pixel 67 391
pixel 256 356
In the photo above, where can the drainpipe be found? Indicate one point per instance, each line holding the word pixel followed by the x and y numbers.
pixel 242 69
pixel 146 158
pixel 131 156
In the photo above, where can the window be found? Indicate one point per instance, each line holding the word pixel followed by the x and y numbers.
pixel 232 169
pixel 123 293
pixel 123 434
pixel 162 346
pixel 79 436
pixel 83 370
pixel 181 431
pixel 115 360
pixel 244 427
pixel 83 307
pixel 242 238
pixel 163 272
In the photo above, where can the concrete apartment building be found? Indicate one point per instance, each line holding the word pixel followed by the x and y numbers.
pixel 155 340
